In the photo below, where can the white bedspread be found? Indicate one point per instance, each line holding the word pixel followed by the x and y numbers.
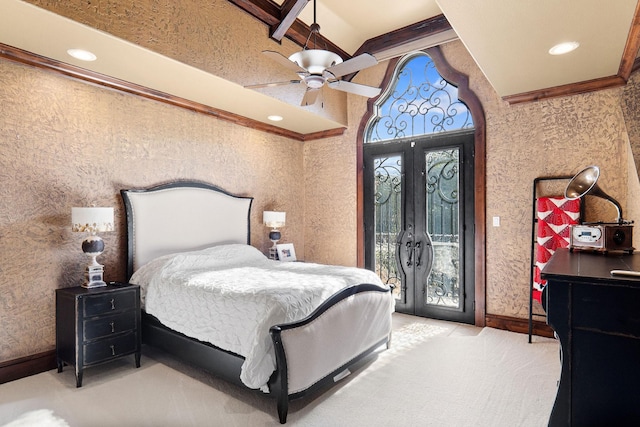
pixel 231 295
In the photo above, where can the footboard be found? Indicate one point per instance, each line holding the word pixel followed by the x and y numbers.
pixel 310 353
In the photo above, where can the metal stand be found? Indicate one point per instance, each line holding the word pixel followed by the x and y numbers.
pixel 534 229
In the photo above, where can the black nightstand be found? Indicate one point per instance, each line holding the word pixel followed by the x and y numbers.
pixel 97 325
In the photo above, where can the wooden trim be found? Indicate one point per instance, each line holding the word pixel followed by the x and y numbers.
pixel 566 90
pixel 18 55
pixel 516 324
pixel 323 134
pixel 26 366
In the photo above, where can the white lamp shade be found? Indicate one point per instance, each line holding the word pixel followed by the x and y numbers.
pixel 92 219
pixel 274 219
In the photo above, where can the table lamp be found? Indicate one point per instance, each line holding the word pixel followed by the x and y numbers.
pixel 274 220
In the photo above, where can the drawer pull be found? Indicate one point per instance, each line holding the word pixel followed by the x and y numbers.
pixel 113 350
pixel 112 327
pixel 113 304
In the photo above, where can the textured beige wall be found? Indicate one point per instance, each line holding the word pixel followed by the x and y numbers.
pixel 631 111
pixel 66 143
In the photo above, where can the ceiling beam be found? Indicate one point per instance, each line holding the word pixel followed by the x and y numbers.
pixel 270 13
pixel 290 11
pixel 264 10
pixel 402 36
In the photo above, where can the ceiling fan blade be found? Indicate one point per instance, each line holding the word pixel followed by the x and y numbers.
pixel 310 97
pixel 284 61
pixel 292 9
pixel 259 85
pixel 355 88
pixel 352 65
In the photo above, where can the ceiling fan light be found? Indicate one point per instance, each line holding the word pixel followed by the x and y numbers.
pixel 562 48
pixel 314 82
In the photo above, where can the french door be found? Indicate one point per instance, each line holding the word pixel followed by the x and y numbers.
pixel 418 201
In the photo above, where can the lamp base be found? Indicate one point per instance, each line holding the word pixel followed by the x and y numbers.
pixel 274 236
pixel 93 276
pixel 93 246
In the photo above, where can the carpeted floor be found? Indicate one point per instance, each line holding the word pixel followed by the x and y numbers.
pixel 435 374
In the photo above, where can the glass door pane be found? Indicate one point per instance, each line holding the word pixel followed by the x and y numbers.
pixel 388 219
pixel 442 224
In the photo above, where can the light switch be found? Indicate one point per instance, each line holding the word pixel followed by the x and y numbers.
pixel 496 221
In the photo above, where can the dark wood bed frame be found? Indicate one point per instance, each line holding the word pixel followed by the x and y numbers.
pixel 219 362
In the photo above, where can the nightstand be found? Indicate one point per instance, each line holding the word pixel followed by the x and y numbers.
pixel 97 325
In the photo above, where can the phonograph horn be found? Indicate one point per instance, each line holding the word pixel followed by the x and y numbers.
pixel 585 182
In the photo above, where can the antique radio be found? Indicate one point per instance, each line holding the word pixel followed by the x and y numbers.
pixel 602 237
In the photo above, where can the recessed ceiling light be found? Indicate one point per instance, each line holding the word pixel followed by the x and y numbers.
pixel 562 48
pixel 275 118
pixel 81 54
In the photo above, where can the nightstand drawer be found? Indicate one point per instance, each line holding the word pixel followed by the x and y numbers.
pixel 106 303
pixel 110 348
pixel 109 325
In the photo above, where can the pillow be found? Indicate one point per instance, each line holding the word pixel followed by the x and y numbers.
pixel 215 257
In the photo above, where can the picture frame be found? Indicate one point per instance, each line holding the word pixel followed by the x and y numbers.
pixel 286 252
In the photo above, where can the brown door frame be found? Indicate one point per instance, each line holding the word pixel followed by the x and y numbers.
pixel 477 112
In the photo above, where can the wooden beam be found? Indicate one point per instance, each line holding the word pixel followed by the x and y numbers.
pixel 401 36
pixel 631 47
pixel 264 10
pixel 271 14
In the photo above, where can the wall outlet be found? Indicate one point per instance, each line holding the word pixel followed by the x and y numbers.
pixel 496 221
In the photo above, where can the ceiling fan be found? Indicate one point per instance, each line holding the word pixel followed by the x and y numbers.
pixel 317 67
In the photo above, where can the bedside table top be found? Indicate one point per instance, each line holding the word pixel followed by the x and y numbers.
pixel 111 287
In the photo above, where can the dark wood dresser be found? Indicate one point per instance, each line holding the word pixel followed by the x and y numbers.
pixel 596 316
pixel 97 325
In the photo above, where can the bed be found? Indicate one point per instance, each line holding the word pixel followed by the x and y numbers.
pixel 292 330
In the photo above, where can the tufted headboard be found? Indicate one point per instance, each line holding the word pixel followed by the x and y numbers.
pixel 182 216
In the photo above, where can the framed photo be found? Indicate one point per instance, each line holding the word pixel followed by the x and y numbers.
pixel 286 252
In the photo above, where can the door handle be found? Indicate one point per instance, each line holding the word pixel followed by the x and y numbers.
pixel 409 250
pixel 420 247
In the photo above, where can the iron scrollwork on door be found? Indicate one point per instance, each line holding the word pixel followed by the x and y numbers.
pixel 387 203
pixel 443 284
pixel 419 102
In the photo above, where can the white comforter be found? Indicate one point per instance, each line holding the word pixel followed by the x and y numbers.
pixel 231 295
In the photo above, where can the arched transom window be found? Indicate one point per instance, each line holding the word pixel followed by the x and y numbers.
pixel 419 101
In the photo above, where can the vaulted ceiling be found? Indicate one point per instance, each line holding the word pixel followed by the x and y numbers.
pixel 508 40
